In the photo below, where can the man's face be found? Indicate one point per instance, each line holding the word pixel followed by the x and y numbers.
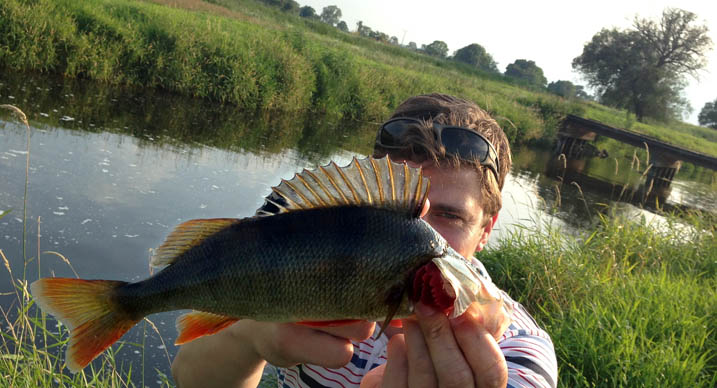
pixel 455 208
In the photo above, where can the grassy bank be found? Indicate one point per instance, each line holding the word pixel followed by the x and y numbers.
pixel 257 57
pixel 626 305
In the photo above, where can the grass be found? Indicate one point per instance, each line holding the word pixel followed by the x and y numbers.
pixel 258 58
pixel 627 304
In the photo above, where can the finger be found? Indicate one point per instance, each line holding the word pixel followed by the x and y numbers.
pixel 481 351
pixel 358 331
pixel 420 366
pixel 424 210
pixel 451 368
pixel 374 377
pixel 396 374
pixel 295 344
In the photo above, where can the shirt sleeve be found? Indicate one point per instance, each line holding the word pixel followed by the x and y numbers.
pixel 528 351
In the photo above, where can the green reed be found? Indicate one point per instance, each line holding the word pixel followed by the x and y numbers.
pixel 627 304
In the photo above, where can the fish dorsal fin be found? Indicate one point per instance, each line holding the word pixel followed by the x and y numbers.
pixel 185 236
pixel 363 182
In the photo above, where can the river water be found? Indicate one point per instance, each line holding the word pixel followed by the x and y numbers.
pixel 113 170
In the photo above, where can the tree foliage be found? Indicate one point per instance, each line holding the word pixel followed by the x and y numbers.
pixel 475 55
pixel 643 69
pixel 708 115
pixel 363 30
pixel 342 26
pixel 526 71
pixel 290 6
pixel 567 89
pixel 308 12
pixel 438 48
pixel 563 88
pixel 331 15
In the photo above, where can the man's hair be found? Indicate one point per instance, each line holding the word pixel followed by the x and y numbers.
pixel 421 144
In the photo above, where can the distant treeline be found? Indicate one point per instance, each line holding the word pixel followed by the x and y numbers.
pixel 522 71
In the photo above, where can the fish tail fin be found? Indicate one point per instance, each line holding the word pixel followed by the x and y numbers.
pixel 88 309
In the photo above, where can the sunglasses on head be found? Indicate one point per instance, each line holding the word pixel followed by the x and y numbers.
pixel 462 142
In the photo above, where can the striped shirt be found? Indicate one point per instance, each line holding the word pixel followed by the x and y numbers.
pixel 526 347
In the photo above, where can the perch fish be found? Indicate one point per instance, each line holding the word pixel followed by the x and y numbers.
pixel 341 244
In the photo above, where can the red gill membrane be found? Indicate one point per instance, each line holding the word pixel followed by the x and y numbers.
pixel 428 289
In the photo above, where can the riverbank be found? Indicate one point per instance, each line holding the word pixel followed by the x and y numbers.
pixel 258 58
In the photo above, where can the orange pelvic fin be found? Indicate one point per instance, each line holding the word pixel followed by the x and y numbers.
pixel 86 307
pixel 338 322
pixel 198 324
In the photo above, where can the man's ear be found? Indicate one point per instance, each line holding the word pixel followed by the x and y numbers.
pixel 486 233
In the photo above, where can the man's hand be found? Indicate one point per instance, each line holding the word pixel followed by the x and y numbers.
pixel 289 344
pixel 437 352
pixel 235 357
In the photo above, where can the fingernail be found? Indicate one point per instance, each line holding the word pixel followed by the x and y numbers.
pixel 424 310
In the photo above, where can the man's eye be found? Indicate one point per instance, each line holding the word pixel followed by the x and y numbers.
pixel 449 216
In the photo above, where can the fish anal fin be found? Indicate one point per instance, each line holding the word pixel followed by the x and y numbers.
pixel 185 236
pixel 198 324
pixel 372 182
pixel 396 323
pixel 338 322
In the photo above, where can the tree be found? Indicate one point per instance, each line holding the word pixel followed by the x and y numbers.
pixel 393 40
pixel 643 69
pixel 343 26
pixel 413 46
pixel 308 12
pixel 438 48
pixel 290 6
pixel 331 15
pixel 526 71
pixel 363 30
pixel 475 55
pixel 708 115
pixel 565 89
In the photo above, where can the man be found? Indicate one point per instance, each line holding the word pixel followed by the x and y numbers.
pixel 466 156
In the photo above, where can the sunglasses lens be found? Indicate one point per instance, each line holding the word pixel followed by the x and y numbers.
pixel 464 143
pixel 392 132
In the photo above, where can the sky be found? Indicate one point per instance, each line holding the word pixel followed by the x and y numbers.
pixel 549 32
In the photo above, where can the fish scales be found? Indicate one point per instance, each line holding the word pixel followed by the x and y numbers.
pixel 318 264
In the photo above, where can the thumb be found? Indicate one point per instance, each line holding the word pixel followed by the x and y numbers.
pixel 373 378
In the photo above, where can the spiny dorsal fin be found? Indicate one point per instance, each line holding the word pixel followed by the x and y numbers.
pixel 185 236
pixel 365 182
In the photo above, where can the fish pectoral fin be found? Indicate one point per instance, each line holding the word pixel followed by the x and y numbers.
pixel 198 324
pixel 185 236
pixel 338 322
pixel 392 309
